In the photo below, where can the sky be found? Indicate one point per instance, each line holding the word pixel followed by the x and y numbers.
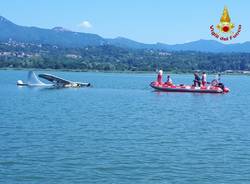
pixel 147 21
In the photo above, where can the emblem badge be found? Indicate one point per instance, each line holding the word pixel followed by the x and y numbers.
pixel 225 28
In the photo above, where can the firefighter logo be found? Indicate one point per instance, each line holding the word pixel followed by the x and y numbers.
pixel 225 29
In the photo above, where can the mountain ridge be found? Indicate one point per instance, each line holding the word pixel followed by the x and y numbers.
pixel 62 37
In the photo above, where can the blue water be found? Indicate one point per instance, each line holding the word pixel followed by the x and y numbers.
pixel 121 131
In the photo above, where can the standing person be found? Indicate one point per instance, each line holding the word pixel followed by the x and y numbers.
pixel 169 81
pixel 159 77
pixel 197 79
pixel 204 78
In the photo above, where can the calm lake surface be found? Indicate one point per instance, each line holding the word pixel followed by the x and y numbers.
pixel 121 131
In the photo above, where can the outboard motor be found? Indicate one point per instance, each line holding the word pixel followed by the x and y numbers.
pixel 221 85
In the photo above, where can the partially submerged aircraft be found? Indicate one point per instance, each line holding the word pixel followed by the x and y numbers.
pixel 57 82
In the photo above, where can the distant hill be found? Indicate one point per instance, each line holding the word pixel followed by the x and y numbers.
pixel 65 38
pixel 200 45
pixel 55 36
pixel 127 43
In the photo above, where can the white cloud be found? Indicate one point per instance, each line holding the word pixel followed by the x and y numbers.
pixel 85 24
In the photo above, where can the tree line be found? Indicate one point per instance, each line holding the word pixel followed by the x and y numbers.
pixel 111 58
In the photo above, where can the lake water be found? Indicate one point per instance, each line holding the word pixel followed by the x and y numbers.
pixel 121 131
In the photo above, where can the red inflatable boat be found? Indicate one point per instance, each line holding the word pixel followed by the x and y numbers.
pixel 188 88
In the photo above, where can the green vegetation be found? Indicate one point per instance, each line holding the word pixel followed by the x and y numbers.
pixel 111 58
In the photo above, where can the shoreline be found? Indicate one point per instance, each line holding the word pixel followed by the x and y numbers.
pixel 126 72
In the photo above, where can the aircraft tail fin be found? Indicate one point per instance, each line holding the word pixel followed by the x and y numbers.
pixel 32 79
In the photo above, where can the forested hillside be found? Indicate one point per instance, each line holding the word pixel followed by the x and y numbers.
pixel 112 58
